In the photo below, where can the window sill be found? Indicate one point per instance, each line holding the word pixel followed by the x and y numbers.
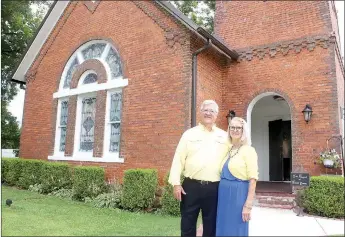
pixel 112 159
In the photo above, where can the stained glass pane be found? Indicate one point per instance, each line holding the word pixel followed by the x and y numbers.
pixel 87 124
pixel 69 74
pixel 114 137
pixel 115 107
pixel 93 51
pixel 64 113
pixel 90 78
pixel 114 63
pixel 62 138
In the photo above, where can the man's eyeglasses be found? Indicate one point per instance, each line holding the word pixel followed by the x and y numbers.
pixel 211 111
pixel 233 128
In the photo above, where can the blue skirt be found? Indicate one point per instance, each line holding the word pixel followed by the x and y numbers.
pixel 232 194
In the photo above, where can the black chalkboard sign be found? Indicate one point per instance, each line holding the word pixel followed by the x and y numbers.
pixel 300 179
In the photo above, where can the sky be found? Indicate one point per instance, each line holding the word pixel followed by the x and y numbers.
pixel 17 104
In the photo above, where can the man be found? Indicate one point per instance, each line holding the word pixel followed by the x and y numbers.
pixel 199 156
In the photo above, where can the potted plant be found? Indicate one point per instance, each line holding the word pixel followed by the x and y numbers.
pixel 330 158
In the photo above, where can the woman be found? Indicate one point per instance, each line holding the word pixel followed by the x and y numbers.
pixel 238 182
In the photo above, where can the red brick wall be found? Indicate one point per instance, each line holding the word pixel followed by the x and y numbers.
pixel 301 79
pixel 286 48
pixel 250 23
pixel 210 77
pixel 156 104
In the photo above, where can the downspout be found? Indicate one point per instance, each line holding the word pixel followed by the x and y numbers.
pixel 194 76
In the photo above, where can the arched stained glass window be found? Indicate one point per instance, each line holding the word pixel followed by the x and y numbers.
pixel 86 110
pixel 97 49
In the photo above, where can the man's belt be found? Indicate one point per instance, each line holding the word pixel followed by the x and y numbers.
pixel 203 182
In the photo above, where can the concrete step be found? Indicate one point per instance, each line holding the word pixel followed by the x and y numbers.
pixel 278 200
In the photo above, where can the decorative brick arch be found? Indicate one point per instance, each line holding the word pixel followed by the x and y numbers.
pixel 90 64
pixel 293 114
pixel 265 92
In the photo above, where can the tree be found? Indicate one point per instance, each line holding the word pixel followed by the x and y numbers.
pixel 18 25
pixel 201 12
pixel 10 131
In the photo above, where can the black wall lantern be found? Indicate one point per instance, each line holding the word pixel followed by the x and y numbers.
pixel 307 112
pixel 230 115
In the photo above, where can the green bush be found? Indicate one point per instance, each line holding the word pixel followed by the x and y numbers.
pixel 87 182
pixel 30 173
pixel 325 197
pixel 170 205
pixel 139 187
pixel 12 168
pixel 55 176
pixel 3 169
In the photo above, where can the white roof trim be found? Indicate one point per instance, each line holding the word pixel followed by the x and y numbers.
pixel 39 40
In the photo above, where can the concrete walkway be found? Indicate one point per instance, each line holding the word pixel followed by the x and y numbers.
pixel 280 222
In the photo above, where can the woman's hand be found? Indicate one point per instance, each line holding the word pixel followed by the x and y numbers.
pixel 246 213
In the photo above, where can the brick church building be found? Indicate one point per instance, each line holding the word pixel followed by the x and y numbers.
pixel 116 83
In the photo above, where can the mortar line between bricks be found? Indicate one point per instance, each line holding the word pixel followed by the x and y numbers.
pixel 320 226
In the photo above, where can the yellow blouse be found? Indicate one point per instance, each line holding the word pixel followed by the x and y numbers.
pixel 244 165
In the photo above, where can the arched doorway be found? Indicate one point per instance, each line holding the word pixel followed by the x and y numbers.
pixel 269 120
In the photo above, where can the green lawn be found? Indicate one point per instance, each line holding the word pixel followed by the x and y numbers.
pixel 33 214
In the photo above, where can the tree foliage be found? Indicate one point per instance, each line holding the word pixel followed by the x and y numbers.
pixel 201 12
pixel 18 25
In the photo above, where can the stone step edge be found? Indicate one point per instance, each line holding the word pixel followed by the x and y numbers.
pixel 289 207
pixel 275 194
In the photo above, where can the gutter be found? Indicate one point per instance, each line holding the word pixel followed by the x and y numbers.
pixel 194 82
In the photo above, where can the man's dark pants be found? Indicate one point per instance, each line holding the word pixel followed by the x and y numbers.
pixel 199 196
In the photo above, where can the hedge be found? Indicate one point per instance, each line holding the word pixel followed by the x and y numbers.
pixel 324 197
pixel 55 176
pixel 30 173
pixel 11 170
pixel 52 176
pixel 170 205
pixel 139 186
pixel 88 181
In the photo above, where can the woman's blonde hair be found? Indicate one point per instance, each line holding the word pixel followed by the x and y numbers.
pixel 245 138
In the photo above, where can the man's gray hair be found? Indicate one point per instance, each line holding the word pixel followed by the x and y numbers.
pixel 210 102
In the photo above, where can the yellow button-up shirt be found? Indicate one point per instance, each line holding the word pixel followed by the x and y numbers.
pixel 244 165
pixel 200 154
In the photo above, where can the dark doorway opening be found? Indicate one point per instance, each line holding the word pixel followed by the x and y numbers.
pixel 280 150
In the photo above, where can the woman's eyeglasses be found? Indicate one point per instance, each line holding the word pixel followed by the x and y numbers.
pixel 233 128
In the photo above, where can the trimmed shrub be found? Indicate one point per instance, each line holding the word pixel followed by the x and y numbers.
pixel 30 173
pixel 139 187
pixel 55 176
pixel 3 169
pixel 170 205
pixel 87 182
pixel 12 169
pixel 325 197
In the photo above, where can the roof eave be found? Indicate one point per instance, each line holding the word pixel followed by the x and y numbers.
pixel 17 80
pixel 200 31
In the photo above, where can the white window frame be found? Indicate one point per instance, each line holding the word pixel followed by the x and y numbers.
pixel 58 129
pixel 107 128
pixel 82 91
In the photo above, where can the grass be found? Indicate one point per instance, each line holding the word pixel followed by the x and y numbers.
pixel 33 214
